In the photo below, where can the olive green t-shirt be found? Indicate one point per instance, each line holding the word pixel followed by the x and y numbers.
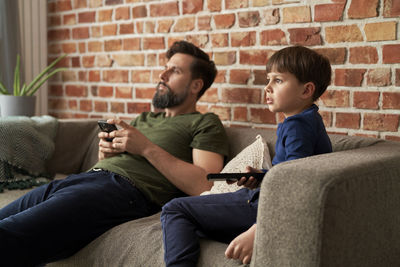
pixel 177 135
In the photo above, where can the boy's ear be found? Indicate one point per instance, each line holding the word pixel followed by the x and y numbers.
pixel 309 89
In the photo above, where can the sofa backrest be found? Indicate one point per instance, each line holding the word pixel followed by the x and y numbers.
pixel 77 144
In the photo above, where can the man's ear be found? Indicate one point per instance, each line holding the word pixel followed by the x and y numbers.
pixel 197 85
pixel 308 90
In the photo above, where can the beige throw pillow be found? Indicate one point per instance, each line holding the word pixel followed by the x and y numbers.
pixel 255 155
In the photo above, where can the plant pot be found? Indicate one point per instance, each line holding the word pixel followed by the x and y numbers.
pixel 17 105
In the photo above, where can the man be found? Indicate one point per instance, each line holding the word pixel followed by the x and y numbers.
pixel 158 157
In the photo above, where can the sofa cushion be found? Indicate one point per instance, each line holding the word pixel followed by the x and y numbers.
pixel 255 155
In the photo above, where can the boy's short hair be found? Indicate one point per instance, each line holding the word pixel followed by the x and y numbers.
pixel 304 63
pixel 202 67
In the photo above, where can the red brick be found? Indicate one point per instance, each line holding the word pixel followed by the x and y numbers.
pixel 255 57
pixel 103 60
pixel 185 24
pixel 58 35
pixel 220 77
pixel 204 23
pixel 240 114
pixel 117 107
pixel 54 48
pixel 131 44
pixel 336 98
pixel 80 4
pixel 397 83
pixel 116 76
pixel 82 76
pixel 58 104
pixel 328 12
pixel 123 92
pixel 200 40
pixel 56 90
pixel 248 19
pixel 138 107
pixel 141 76
pixel 95 32
pixel 69 76
pixel 366 100
pixel 75 62
pixel 54 21
pixel 239 76
pixel 51 7
pixel 391 54
pixel 219 39
pixel 145 93
pixel 234 4
pixel 305 36
pixel 343 33
pixel 192 6
pixel 80 33
pixel 243 39
pixel 366 55
pixel 104 15
pixel 112 45
pixel 225 58
pixel 86 105
pixel 326 118
pixel 153 43
pixel 391 8
pixel 349 77
pixel 241 95
pixel 105 91
pixel 139 12
pixel 110 29
pixel 69 19
pixel 214 5
pixel 95 46
pixel 260 77
pixel 126 28
pixel 224 21
pixel 82 47
pixel 379 77
pixel 100 106
pixel 270 16
pixel 381 122
pixel 88 61
pixel 380 31
pixel 114 2
pixel 224 113
pixel 211 95
pixel 122 13
pixel 68 48
pixel 348 120
pixel 392 138
pixel 296 14
pixel 391 100
pixel 76 90
pixel 363 9
pixel 63 5
pixel 164 26
pixel 262 115
pixel 164 9
pixel 273 37
pixel 87 17
pixel 94 76
pixel 335 55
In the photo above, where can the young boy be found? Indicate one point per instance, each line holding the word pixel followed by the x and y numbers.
pixel 296 78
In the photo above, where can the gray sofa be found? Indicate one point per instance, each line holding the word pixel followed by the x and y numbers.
pixel 337 209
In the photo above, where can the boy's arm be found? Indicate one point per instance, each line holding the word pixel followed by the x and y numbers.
pixel 241 247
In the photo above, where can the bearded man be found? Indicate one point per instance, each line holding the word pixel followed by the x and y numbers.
pixel 157 157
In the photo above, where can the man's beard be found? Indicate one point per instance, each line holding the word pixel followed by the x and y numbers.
pixel 168 99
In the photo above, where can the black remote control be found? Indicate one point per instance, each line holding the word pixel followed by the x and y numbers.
pixel 234 176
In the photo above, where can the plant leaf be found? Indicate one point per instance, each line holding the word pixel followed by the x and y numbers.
pixel 29 89
pixel 33 90
pixel 3 89
pixel 16 77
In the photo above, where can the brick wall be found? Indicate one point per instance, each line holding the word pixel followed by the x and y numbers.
pixel 116 51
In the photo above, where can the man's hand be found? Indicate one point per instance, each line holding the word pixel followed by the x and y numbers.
pixel 241 248
pixel 249 183
pixel 105 147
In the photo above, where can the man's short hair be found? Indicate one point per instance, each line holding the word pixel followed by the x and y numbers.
pixel 304 63
pixel 201 68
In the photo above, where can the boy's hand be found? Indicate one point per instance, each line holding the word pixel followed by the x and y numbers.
pixel 241 247
pixel 251 182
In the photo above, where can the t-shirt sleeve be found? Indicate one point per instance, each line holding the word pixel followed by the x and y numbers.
pixel 299 141
pixel 210 135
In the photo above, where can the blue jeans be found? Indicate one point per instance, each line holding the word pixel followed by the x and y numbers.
pixel 56 220
pixel 220 217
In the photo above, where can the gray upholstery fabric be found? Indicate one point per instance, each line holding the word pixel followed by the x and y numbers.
pixel 337 209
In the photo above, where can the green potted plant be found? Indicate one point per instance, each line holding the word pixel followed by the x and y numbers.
pixel 22 99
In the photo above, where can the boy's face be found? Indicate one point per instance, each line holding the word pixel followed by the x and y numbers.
pixel 284 93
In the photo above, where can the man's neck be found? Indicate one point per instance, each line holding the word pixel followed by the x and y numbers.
pixel 175 111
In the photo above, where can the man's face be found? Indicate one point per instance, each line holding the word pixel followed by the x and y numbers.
pixel 175 81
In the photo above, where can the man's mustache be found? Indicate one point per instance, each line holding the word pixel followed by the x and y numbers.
pixel 164 84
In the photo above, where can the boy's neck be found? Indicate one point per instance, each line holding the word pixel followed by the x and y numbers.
pixel 298 111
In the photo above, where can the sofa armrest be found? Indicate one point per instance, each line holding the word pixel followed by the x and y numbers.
pixel 76 146
pixel 337 209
